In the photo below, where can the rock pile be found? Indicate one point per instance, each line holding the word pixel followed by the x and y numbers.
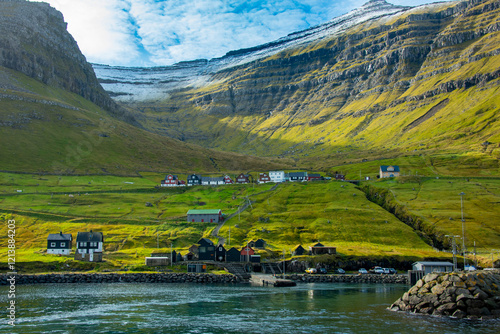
pixel 460 295
pixel 366 278
pixel 123 278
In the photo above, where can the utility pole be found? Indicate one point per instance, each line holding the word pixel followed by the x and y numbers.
pixel 284 264
pixel 454 246
pixel 463 224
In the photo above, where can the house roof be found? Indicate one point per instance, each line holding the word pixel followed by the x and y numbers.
pixel 432 263
pixel 206 241
pixel 89 237
pixel 204 212
pixel 297 174
pixel 298 247
pixel 60 237
pixel 314 175
pixel 319 244
pixel 384 169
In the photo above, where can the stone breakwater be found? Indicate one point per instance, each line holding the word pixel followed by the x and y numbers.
pixel 365 278
pixel 459 295
pixel 123 278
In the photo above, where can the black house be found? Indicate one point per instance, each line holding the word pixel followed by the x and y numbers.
pixel 233 255
pixel 194 180
pixel 220 253
pixel 299 250
pixel 59 243
pixel 206 250
pixel 298 176
pixel 260 243
pixel 89 246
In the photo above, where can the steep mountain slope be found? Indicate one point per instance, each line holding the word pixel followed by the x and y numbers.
pixel 406 79
pixel 51 116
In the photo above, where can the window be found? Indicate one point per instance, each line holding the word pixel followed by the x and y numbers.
pixel 83 244
pixel 52 244
pixel 202 249
pixel 63 244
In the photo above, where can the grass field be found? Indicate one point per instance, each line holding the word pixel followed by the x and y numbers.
pixel 334 213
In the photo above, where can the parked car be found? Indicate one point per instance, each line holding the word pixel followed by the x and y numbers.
pixel 363 271
pixel 311 270
pixel 339 271
pixel 386 271
pixel 393 271
pixel 323 271
pixel 378 270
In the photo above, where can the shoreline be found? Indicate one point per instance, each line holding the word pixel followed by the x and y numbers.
pixel 197 278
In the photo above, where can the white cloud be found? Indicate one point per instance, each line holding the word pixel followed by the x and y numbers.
pixel 163 32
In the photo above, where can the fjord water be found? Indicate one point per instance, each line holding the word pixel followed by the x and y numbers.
pixel 189 308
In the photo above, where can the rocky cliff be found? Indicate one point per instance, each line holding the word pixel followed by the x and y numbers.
pixel 34 41
pixel 383 78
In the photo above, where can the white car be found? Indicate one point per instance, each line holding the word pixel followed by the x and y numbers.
pixel 363 271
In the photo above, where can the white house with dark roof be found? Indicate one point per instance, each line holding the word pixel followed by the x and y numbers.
pixel 59 243
pixel 89 246
pixel 389 171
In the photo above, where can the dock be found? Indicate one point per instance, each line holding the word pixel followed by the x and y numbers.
pixel 270 280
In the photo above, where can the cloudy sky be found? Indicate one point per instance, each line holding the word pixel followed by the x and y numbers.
pixel 163 32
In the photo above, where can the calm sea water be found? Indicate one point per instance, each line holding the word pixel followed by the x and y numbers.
pixel 184 308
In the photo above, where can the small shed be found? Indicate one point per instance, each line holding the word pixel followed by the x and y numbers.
pixel 299 250
pixel 432 266
pixel 319 249
pixel 233 255
pixel 260 244
pixel 59 243
pixel 204 216
pixel 157 261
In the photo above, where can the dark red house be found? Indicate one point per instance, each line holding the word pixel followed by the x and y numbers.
pixel 171 181
pixel 243 178
pixel 264 178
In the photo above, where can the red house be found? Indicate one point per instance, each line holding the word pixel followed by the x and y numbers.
pixel 170 181
pixel 228 180
pixel 242 178
pixel 246 253
pixel 264 178
pixel 314 177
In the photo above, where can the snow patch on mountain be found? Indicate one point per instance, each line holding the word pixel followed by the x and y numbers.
pixel 136 84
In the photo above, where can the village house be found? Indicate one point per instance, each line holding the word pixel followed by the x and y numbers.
pixel 243 178
pixel 206 250
pixel 59 243
pixel 171 181
pixel 245 253
pixel 319 249
pixel 260 244
pixel 228 180
pixel 277 176
pixel 212 181
pixel 264 178
pixel 89 246
pixel 389 171
pixel 194 180
pixel 314 177
pixel 220 253
pixel 233 255
pixel 297 176
pixel 339 176
pixel 204 216
pixel 299 250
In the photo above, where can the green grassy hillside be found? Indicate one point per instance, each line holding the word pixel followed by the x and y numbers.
pixel 48 130
pixel 425 81
pixel 335 213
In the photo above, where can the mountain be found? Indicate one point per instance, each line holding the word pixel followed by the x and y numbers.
pixel 56 118
pixel 380 81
